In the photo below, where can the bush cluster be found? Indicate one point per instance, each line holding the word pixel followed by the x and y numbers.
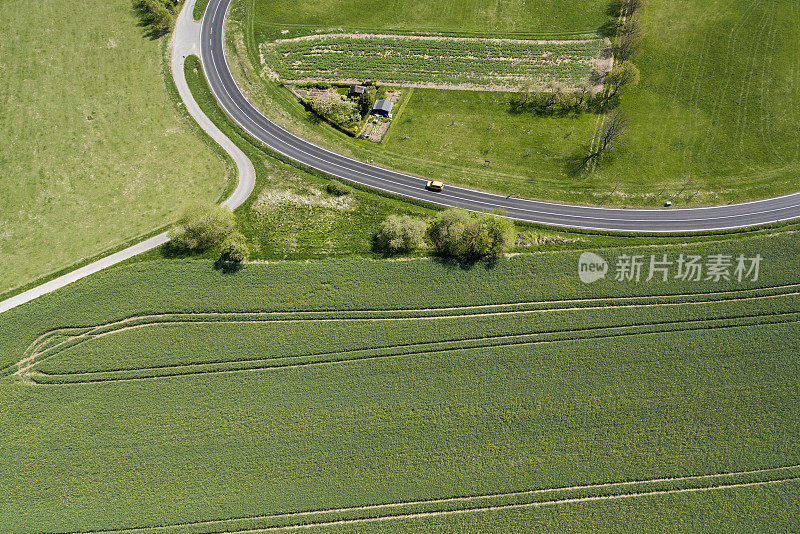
pixel 459 233
pixel 401 233
pixel 338 188
pixel 204 227
pixel 157 15
pixel 330 105
pixel 454 233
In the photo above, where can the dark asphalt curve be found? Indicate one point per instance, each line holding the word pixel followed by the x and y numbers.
pixel 234 103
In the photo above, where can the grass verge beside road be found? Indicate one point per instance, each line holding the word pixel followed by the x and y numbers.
pixel 290 215
pixel 199 9
pixel 712 121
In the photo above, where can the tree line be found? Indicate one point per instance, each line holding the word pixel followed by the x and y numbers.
pixel 454 233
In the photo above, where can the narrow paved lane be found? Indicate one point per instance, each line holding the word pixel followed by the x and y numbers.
pixel 587 217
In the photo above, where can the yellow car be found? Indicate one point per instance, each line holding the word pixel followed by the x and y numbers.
pixel 434 185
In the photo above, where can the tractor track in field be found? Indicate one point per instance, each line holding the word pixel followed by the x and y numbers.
pixel 190 369
pixel 54 342
pixel 487 502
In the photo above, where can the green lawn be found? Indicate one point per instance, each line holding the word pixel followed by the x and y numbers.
pixel 712 121
pixel 281 18
pixel 716 114
pixel 92 150
pixel 473 138
pixel 711 389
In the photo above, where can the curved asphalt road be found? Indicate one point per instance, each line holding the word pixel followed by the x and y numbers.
pixel 246 115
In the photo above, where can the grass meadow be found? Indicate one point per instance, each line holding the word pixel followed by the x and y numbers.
pixel 543 18
pixel 713 119
pixel 92 150
pixel 715 115
pixel 508 389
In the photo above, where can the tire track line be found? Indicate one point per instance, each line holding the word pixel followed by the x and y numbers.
pixel 38 356
pixel 473 498
pixel 422 515
pixel 35 357
pixel 97 376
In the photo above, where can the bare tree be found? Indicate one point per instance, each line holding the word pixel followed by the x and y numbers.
pixel 612 132
pixel 624 74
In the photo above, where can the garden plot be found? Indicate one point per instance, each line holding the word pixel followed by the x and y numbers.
pixel 437 62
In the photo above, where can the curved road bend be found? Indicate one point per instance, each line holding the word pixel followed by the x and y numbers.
pixel 278 139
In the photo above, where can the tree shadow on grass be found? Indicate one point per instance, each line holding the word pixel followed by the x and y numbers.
pixel 577 164
pixel 467 263
pixel 152 30
pixel 228 267
pixel 170 252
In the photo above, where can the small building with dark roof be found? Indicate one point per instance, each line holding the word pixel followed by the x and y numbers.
pixel 383 108
pixel 357 90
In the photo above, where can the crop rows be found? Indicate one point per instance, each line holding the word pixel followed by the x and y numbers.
pixel 400 60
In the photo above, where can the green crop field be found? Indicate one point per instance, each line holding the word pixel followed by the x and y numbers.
pixel 92 150
pixel 360 395
pixel 713 119
pixel 445 62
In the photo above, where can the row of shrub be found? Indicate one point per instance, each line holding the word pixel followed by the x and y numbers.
pixel 454 233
